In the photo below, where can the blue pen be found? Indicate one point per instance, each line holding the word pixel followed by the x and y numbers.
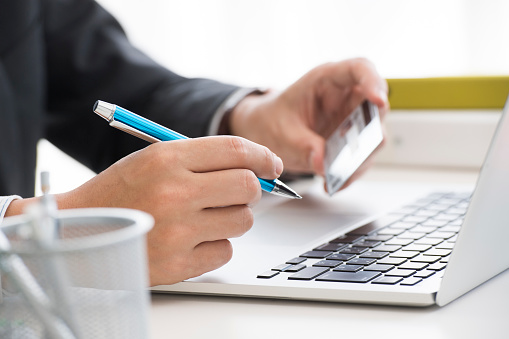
pixel 150 131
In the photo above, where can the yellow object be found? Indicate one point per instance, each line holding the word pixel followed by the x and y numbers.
pixel 449 92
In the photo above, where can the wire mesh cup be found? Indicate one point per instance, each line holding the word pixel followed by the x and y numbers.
pixel 91 282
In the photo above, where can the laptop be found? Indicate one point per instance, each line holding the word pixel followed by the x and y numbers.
pixel 431 250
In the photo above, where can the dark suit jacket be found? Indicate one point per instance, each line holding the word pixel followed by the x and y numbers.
pixel 57 57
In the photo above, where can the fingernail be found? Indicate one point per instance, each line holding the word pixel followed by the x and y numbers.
pixel 279 165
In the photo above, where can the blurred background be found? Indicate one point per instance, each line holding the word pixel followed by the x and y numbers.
pixel 273 43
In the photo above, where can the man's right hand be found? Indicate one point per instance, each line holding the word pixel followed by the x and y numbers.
pixel 199 191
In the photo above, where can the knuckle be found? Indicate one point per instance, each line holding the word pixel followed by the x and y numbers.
pixel 239 147
pixel 269 158
pixel 225 252
pixel 250 182
pixel 161 154
pixel 359 64
pixel 247 219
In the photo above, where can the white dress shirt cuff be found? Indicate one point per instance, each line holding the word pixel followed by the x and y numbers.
pixel 5 201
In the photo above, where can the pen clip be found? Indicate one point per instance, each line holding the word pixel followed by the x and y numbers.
pixel 128 129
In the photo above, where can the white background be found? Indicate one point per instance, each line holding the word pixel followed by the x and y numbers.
pixel 273 42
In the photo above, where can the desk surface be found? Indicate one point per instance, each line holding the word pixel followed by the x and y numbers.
pixel 482 313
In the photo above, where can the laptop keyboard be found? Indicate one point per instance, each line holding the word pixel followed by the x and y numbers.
pixel 404 247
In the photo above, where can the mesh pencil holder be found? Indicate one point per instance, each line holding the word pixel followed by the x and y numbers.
pixel 90 283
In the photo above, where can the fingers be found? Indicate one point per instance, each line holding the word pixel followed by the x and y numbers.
pixel 227 188
pixel 228 152
pixel 310 147
pixel 361 75
pixel 173 267
pixel 210 255
pixel 221 223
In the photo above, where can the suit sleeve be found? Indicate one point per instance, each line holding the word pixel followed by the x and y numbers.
pixel 89 58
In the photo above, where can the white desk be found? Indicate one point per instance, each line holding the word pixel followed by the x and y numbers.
pixel 482 313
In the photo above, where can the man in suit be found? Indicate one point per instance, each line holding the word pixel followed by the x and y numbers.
pixel 57 57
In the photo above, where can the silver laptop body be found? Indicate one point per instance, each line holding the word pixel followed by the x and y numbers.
pixel 286 229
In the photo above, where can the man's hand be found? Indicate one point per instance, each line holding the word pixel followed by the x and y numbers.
pixel 296 122
pixel 199 191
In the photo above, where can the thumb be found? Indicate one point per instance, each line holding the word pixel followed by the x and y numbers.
pixel 312 146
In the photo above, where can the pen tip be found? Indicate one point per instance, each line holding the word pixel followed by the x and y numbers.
pixel 283 190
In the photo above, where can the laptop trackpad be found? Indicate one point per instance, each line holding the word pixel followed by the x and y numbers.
pixel 296 228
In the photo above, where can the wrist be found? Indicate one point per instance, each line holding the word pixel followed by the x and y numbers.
pixel 244 117
pixel 17 206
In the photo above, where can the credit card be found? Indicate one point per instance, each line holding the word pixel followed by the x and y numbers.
pixel 351 144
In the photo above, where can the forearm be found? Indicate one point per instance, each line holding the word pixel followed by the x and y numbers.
pixel 9 206
pixel 89 58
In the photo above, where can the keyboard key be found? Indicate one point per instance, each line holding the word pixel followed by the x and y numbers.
pixel 399 241
pixel 353 250
pixel 379 268
pixel 424 274
pixel 437 266
pixel 391 261
pixel 296 260
pixel 387 280
pixel 346 239
pixel 399 273
pixel 316 254
pixel 367 243
pixel 375 225
pixel 308 273
pixel 457 222
pixel 446 217
pixel 348 268
pixel 341 256
pixel 441 235
pixel 453 239
pixel 358 277
pixel 405 254
pixel 426 213
pixel 267 274
pixel 379 237
pixel 415 219
pixel 450 228
pixel 417 247
pixel 404 225
pixel 391 231
pixel 412 235
pixel 430 259
pixel 456 210
pixel 361 261
pixel 374 255
pixel 295 268
pixel 445 246
pixel 438 207
pixel 413 265
pixel 424 229
pixel 328 263
pixel 438 252
pixel 445 259
pixel 429 241
pixel 282 267
pixel 330 247
pixel 411 281
pixel 387 248
pixel 434 223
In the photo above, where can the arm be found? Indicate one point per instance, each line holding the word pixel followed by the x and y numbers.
pixel 90 58
pixel 294 123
